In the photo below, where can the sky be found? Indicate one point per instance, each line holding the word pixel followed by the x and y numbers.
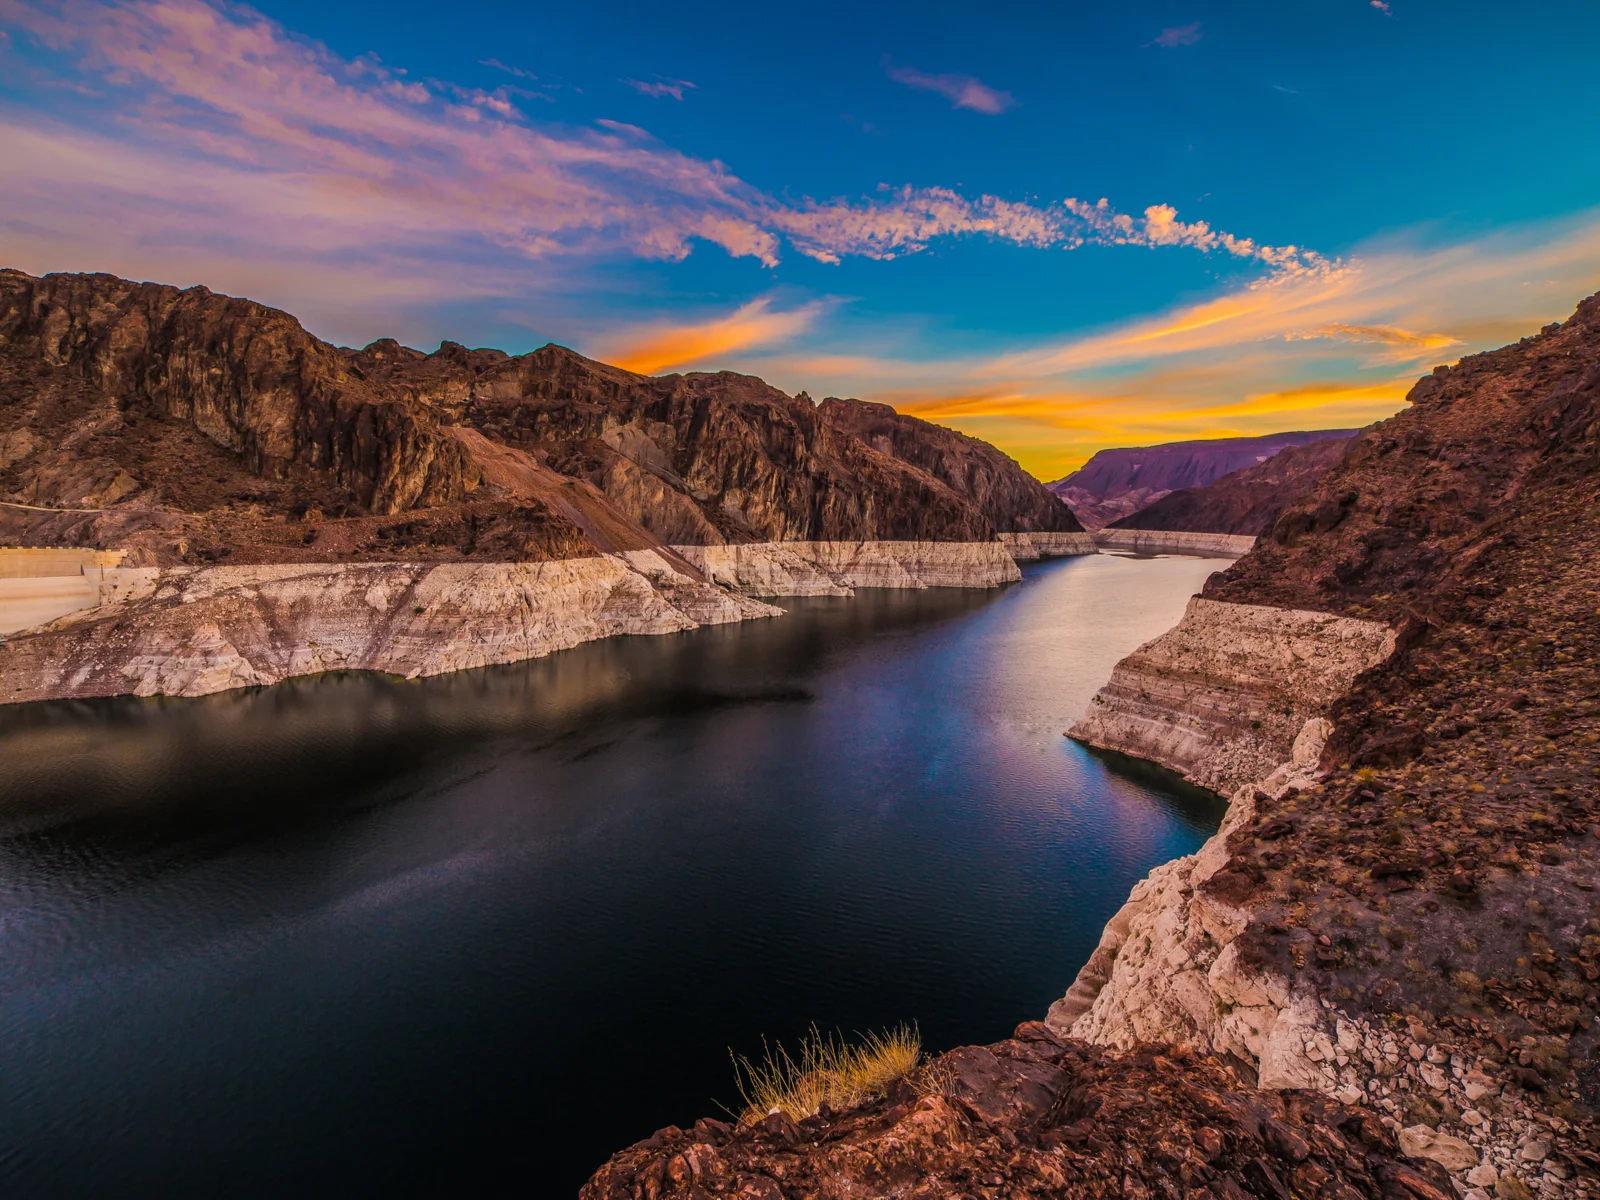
pixel 1059 227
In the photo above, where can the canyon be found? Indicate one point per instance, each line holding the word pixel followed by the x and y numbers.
pixel 280 506
pixel 1394 933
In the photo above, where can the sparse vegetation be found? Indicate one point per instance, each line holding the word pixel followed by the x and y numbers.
pixel 826 1069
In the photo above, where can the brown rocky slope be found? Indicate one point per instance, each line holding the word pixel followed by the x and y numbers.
pixel 190 427
pixel 1038 1116
pixel 1403 913
pixel 1244 502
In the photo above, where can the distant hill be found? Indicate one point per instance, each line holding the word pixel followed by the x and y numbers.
pixel 1244 502
pixel 1117 483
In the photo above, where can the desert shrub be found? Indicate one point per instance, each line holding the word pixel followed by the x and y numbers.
pixel 826 1069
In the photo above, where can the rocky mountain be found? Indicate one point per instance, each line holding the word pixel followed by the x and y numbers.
pixel 1244 502
pixel 1399 685
pixel 1117 483
pixel 189 427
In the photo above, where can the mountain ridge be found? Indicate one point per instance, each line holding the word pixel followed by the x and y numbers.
pixel 1118 482
pixel 193 426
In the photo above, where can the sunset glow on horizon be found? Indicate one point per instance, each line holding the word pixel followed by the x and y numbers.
pixel 912 215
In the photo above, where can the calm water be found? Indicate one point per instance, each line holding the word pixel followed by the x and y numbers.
pixel 349 936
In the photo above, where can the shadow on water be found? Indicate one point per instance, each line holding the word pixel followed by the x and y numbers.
pixel 473 933
pixel 1193 803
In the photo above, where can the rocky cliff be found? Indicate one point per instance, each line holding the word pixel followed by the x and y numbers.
pixel 1401 912
pixel 1116 483
pixel 1244 502
pixel 1038 1116
pixel 1394 938
pixel 189 427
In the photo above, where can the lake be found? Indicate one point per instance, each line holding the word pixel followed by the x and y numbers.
pixel 351 934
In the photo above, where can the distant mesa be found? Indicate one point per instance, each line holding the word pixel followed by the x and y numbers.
pixel 1118 483
pixel 1245 502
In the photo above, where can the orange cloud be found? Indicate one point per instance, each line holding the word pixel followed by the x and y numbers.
pixel 654 351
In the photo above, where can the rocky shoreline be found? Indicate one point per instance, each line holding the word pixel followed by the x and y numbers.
pixel 191 631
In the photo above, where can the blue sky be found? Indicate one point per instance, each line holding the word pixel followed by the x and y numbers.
pixel 1307 205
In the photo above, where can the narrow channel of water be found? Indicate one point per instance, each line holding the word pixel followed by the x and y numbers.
pixel 470 935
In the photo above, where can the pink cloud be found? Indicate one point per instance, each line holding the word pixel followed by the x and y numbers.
pixel 1177 35
pixel 662 87
pixel 963 91
pixel 213 135
pixel 1382 6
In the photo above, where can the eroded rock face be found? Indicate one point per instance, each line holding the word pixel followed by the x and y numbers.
pixel 1041 1116
pixel 1011 499
pixel 186 631
pixel 193 428
pixel 1173 541
pixel 1222 696
pixel 1406 919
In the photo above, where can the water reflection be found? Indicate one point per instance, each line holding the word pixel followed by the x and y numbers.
pixel 358 934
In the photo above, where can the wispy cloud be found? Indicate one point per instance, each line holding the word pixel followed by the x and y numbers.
pixel 963 91
pixel 1382 6
pixel 654 349
pixel 1328 349
pixel 1176 35
pixel 500 66
pixel 661 87
pixel 231 136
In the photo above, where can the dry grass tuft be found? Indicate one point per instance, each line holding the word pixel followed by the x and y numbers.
pixel 826 1070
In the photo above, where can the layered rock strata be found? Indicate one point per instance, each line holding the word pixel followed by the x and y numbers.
pixel 1223 695
pixel 1030 547
pixel 1408 920
pixel 1174 541
pixel 837 568
pixel 185 631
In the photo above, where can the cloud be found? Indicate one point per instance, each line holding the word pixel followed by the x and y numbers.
pixel 655 349
pixel 310 158
pixel 1177 35
pixel 500 66
pixel 661 88
pixel 1315 349
pixel 1382 6
pixel 963 91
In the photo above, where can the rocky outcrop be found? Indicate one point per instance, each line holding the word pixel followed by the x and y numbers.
pixel 1246 501
pixel 1165 541
pixel 1030 547
pixel 837 568
pixel 185 631
pixel 1222 696
pixel 188 427
pixel 1037 1116
pixel 1116 483
pixel 1169 967
pixel 1011 499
